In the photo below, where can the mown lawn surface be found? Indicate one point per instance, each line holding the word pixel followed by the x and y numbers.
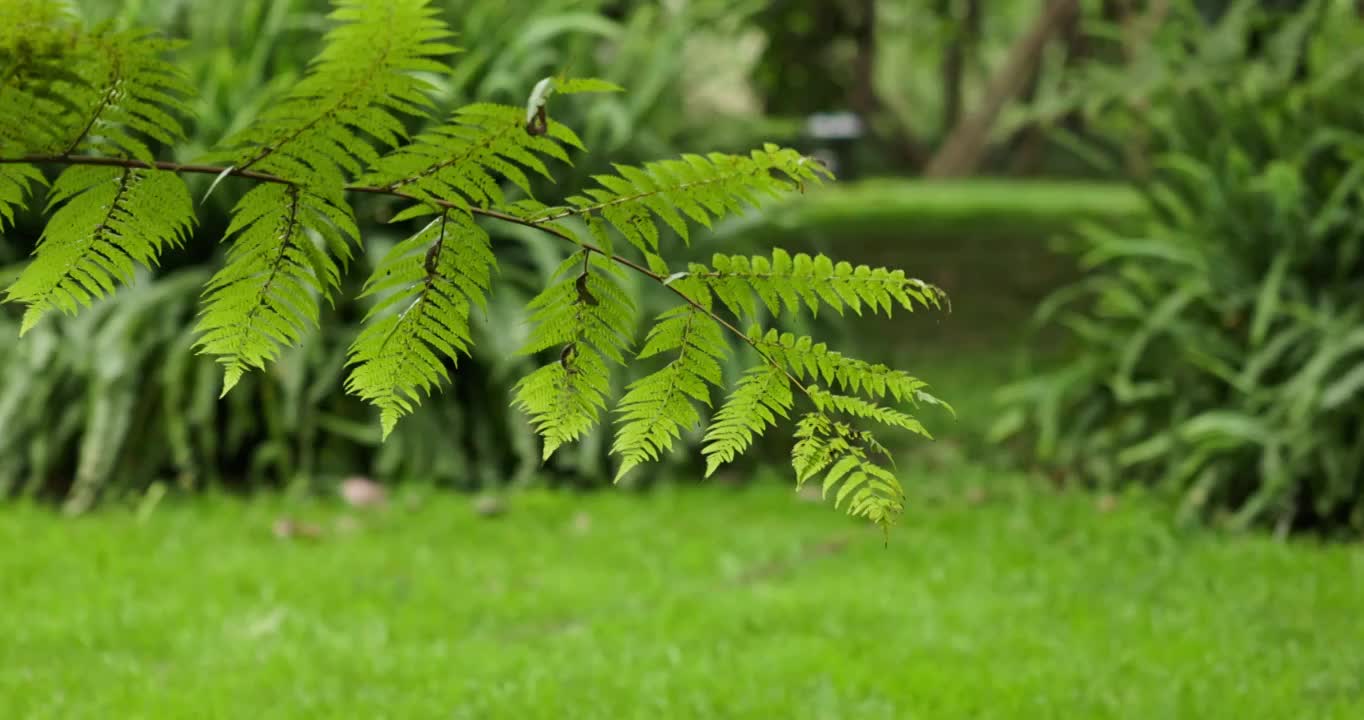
pixel 714 602
pixel 914 209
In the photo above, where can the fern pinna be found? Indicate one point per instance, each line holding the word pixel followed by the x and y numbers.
pixel 105 105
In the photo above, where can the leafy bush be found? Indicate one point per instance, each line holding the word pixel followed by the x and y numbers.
pixel 102 102
pixel 1221 344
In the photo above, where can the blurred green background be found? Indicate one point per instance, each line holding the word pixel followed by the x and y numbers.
pixel 1148 214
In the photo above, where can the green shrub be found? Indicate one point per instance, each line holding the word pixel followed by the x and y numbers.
pixel 1220 345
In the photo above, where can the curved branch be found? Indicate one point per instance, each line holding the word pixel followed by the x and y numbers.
pixel 538 224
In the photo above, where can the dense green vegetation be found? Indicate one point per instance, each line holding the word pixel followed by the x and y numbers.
pixel 1220 342
pixel 995 599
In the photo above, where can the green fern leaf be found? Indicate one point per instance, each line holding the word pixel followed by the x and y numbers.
pixel 431 279
pixel 461 160
pixel 786 282
pixel 278 265
pixel 41 50
pixel 806 358
pixel 762 395
pixel 110 220
pixel 694 187
pixel 590 319
pixel 64 91
pixel 27 19
pixel 658 407
pixel 867 410
pixel 133 94
pixel 353 97
pixel 842 457
pixel 16 182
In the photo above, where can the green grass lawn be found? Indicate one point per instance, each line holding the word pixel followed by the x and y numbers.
pixel 990 601
pixel 913 209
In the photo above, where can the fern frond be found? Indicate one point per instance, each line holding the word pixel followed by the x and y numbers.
pixel 110 220
pixel 431 279
pixel 590 319
pixel 806 358
pixel 64 91
pixel 693 187
pixel 25 19
pixel 763 394
pixel 786 282
pixel 844 458
pixel 131 94
pixel 461 160
pixel 280 261
pixel 40 47
pixel 659 406
pixel 16 182
pixel 352 99
pixel 867 410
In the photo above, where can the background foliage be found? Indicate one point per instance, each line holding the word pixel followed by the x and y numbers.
pixel 291 235
pixel 239 56
pixel 1221 342
pixel 1122 91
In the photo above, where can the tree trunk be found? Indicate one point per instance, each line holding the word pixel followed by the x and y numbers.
pixel 1030 145
pixel 962 152
pixel 864 100
pixel 965 35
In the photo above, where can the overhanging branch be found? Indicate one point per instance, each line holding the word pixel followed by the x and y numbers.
pixel 540 224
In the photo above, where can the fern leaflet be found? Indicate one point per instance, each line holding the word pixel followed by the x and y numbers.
pixel 16 182
pixel 460 161
pixel 786 282
pixel 866 410
pixel 815 361
pixel 63 91
pixel 104 92
pixel 658 407
pixel 130 94
pixel 267 293
pixel 325 130
pixel 39 42
pixel 431 278
pixel 763 394
pixel 109 220
pixel 695 187
pixel 843 456
pixel 590 319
